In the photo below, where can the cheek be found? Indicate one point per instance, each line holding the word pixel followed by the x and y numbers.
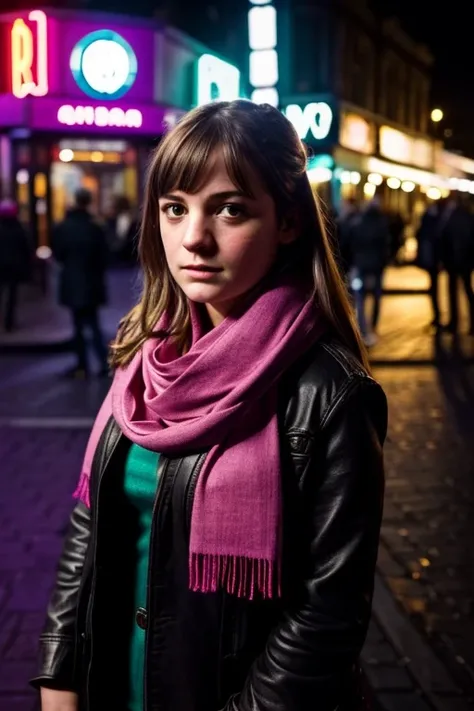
pixel 253 249
pixel 168 244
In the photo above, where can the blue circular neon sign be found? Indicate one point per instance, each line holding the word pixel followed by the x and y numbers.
pixel 104 65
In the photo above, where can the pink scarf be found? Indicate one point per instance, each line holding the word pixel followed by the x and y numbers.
pixel 221 396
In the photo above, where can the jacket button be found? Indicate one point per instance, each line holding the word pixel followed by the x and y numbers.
pixel 141 618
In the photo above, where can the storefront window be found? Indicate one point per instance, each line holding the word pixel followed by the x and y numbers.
pixel 107 169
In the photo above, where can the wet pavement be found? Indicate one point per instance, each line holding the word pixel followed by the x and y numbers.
pixel 428 527
pixel 419 653
pixel 39 467
pixel 42 324
pixel 406 334
pixel 35 388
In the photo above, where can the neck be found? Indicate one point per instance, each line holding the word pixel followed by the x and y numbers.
pixel 218 312
pixel 214 315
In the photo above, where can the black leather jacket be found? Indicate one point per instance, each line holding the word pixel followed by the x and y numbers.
pixel 206 652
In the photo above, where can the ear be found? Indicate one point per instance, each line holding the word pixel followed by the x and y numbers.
pixel 288 229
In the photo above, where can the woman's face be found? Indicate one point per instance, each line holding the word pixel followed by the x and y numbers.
pixel 218 242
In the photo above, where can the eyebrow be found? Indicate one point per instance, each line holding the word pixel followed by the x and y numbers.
pixel 225 195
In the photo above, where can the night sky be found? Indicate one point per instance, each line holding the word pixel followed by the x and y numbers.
pixel 449 34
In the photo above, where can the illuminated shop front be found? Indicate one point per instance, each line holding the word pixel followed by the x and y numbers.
pixel 458 170
pixel 352 156
pixel 85 98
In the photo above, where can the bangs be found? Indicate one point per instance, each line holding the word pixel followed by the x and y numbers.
pixel 184 162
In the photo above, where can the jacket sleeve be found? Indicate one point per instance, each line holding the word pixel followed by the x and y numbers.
pixel 58 640
pixel 312 653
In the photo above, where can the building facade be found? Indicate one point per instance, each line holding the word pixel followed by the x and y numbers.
pixel 357 88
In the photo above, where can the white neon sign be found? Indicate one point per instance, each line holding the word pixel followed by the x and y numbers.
pixel 101 116
pixel 262 27
pixel 216 79
pixel 104 65
pixel 316 117
pixel 263 59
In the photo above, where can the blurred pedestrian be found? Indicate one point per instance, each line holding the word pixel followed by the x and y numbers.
pixel 123 232
pixel 370 244
pixel 428 256
pixel 396 229
pixel 344 222
pixel 222 551
pixel 457 254
pixel 79 246
pixel 15 261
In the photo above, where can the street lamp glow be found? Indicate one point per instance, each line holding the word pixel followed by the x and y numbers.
pixel 437 115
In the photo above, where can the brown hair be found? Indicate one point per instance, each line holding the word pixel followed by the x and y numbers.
pixel 247 134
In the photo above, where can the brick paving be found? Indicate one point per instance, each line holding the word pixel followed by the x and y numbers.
pixel 406 336
pixel 388 675
pixel 33 387
pixel 428 525
pixel 426 556
pixel 39 469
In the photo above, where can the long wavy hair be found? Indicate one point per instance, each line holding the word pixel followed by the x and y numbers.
pixel 247 134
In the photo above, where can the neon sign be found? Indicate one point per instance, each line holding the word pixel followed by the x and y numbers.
pixel 104 65
pixel 29 56
pixel 315 118
pixel 263 58
pixel 101 116
pixel 216 79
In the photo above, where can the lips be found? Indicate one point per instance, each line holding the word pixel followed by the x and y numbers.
pixel 202 268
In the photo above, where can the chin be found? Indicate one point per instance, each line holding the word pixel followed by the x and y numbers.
pixel 203 293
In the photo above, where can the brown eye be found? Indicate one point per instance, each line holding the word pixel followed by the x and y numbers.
pixel 174 210
pixel 232 210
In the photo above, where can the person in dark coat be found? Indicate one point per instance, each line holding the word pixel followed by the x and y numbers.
pixel 428 255
pixel 123 228
pixel 15 261
pixel 79 246
pixel 370 244
pixel 457 255
pixel 344 223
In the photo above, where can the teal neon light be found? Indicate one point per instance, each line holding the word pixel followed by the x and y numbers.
pixel 315 118
pixel 321 161
pixel 216 80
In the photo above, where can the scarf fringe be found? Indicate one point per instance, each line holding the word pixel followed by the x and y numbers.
pixel 238 575
pixel 241 576
pixel 82 490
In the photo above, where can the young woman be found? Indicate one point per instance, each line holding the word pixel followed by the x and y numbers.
pixel 222 549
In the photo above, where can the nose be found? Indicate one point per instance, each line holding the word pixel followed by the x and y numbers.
pixel 198 235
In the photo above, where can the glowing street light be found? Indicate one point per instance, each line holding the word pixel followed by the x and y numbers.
pixel 437 115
